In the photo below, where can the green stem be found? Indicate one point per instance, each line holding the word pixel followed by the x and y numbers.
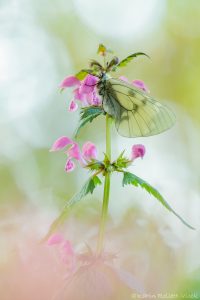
pixel 106 193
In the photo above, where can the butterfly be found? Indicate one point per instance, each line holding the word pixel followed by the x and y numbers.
pixel 136 114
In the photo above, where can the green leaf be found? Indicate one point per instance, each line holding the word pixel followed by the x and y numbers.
pixel 130 178
pixel 83 73
pixel 88 114
pixel 88 187
pixel 95 165
pixel 129 58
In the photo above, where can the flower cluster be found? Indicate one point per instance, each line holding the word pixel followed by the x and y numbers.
pixel 85 91
pixel 88 153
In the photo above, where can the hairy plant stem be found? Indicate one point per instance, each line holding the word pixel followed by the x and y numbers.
pixel 104 212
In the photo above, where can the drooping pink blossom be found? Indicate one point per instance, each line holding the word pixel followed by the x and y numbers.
pixel 89 151
pixel 140 85
pixel 78 95
pixel 73 106
pixel 55 239
pixel 67 254
pixel 137 83
pixel 138 151
pixel 88 84
pixel 61 143
pixel 93 98
pixel 124 78
pixel 74 151
pixel 69 81
pixel 66 251
pixel 69 166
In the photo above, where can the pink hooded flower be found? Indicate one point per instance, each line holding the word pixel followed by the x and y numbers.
pixel 68 255
pixel 61 143
pixel 88 84
pixel 74 152
pixel 137 83
pixel 93 98
pixel 140 85
pixel 66 250
pixel 69 81
pixel 55 239
pixel 89 151
pixel 85 91
pixel 138 151
pixel 124 78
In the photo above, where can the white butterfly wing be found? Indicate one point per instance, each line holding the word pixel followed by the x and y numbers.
pixel 136 113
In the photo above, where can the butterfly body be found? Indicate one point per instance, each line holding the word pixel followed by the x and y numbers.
pixel 136 113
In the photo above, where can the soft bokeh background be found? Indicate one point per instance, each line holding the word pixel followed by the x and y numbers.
pixel 40 43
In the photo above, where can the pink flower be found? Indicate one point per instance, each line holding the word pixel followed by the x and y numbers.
pixel 137 83
pixel 69 81
pixel 85 91
pixel 68 255
pixel 73 106
pixel 89 151
pixel 55 239
pixel 140 85
pixel 88 84
pixel 75 152
pixel 66 251
pixel 124 78
pixel 69 166
pixel 137 151
pixel 93 98
pixel 78 95
pixel 61 143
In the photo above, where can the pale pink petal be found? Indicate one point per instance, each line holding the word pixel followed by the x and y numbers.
pixel 78 95
pixel 89 151
pixel 68 248
pixel 73 106
pixel 137 151
pixel 124 78
pixel 60 143
pixel 74 151
pixel 69 81
pixel 67 255
pixel 88 84
pixel 93 98
pixel 69 166
pixel 55 239
pixel 140 85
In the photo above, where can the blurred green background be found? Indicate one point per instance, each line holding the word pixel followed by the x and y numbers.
pixel 43 41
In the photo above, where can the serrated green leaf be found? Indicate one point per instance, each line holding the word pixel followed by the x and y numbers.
pixel 88 114
pixel 130 178
pixel 88 187
pixel 129 58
